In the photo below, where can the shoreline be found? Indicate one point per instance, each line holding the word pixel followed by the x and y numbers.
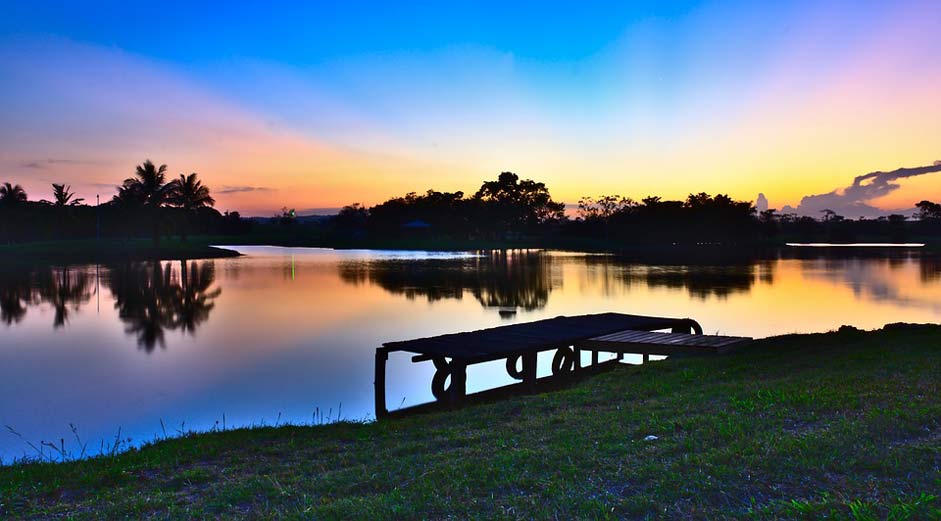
pixel 737 435
pixel 91 251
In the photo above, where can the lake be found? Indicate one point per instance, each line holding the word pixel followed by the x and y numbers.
pixel 288 334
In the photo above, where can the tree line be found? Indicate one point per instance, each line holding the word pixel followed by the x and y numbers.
pixel 509 207
pixel 146 204
pixel 505 208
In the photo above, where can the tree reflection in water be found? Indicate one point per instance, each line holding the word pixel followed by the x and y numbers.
pixel 523 279
pixel 505 280
pixel 16 293
pixel 153 297
pixel 65 288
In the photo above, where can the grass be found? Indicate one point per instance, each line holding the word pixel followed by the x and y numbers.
pixel 90 250
pixel 843 425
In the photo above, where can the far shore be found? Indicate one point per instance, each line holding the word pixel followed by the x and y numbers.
pixel 108 250
pixel 204 247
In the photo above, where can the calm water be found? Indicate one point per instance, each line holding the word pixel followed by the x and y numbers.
pixel 288 331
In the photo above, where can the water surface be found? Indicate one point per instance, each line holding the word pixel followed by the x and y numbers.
pixel 282 333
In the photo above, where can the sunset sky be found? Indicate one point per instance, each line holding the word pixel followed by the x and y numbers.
pixel 312 106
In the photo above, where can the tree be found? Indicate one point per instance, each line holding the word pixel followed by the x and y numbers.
pixel 11 194
pixel 514 203
pixel 830 216
pixel 352 217
pixel 190 194
pixel 603 207
pixel 288 216
pixel 63 196
pixel 928 211
pixel 768 220
pixel 147 188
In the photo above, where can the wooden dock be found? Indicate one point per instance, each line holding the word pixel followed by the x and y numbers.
pixel 519 345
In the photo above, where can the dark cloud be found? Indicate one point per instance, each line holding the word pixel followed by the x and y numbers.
pixel 226 189
pixel 853 201
pixel 41 164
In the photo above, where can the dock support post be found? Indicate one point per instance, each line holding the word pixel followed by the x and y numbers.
pixel 380 383
pixel 594 357
pixel 646 358
pixel 578 357
pixel 458 381
pixel 529 371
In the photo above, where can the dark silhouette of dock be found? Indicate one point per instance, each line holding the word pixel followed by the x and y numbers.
pixel 519 345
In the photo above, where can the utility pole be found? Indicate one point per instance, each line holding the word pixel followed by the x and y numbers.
pixel 97 217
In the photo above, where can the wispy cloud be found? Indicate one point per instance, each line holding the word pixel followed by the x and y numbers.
pixel 42 164
pixel 853 201
pixel 228 189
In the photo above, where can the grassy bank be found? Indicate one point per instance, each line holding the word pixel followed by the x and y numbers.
pixel 88 251
pixel 843 425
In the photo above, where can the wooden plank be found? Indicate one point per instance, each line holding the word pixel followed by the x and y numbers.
pixel 540 335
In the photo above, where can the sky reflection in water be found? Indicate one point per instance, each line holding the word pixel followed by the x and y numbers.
pixel 289 330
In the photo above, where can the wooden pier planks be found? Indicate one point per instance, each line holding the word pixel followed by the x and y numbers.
pixel 500 342
pixel 650 343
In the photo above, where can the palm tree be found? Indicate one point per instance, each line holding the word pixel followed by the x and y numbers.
pixel 149 182
pixel 63 196
pixel 12 194
pixel 190 194
pixel 149 188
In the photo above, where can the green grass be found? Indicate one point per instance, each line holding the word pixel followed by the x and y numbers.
pixel 842 426
pixel 90 250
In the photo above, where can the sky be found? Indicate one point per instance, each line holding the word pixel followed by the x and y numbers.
pixel 310 106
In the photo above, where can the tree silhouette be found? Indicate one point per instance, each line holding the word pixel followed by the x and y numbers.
pixel 148 188
pixel 513 204
pixel 190 194
pixel 149 184
pixel 63 196
pixel 11 194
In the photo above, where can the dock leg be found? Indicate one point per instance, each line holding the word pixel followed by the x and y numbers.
pixel 646 358
pixel 594 358
pixel 458 388
pixel 380 383
pixel 578 357
pixel 529 371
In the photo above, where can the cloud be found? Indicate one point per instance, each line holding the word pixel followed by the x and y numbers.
pixel 228 189
pixel 761 203
pixel 41 164
pixel 853 201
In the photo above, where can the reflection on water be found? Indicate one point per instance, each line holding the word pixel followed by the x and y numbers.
pixel 152 298
pixel 500 280
pixel 288 330
pixel 65 289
